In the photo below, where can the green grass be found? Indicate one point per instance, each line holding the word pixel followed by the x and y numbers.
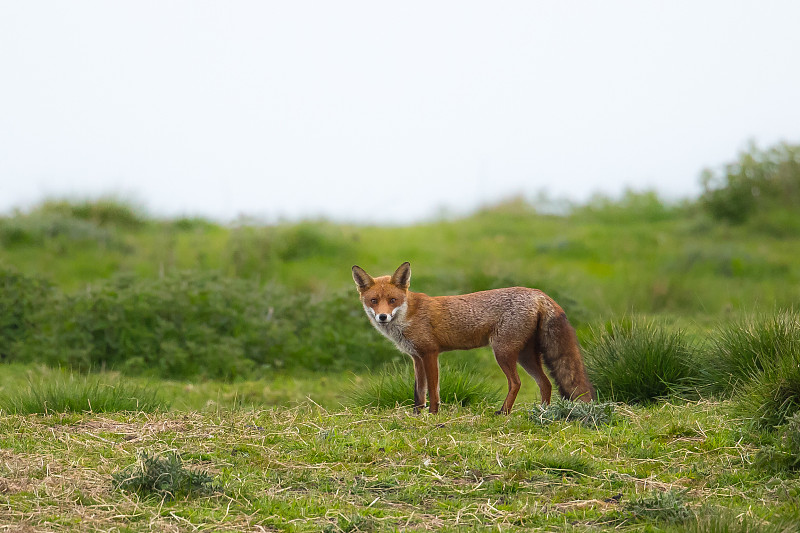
pixel 70 393
pixel 311 469
pixel 636 360
pixel 253 335
pixel 164 477
pixel 742 349
pixel 394 385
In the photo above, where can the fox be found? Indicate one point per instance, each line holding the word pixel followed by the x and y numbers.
pixel 520 324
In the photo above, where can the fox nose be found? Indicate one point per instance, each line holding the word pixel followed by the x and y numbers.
pixel 383 317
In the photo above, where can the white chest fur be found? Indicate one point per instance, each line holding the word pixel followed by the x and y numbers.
pixel 394 329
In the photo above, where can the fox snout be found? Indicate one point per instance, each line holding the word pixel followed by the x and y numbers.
pixel 383 317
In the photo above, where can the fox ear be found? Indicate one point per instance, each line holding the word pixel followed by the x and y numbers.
pixel 402 276
pixel 363 280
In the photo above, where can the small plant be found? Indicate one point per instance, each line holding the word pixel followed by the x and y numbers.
pixel 80 394
pixel 639 361
pixel 394 385
pixel 165 477
pixel 588 414
pixel 668 506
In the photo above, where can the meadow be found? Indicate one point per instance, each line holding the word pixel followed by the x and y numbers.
pixel 183 375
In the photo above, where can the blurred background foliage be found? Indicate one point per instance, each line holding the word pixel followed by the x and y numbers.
pixel 101 285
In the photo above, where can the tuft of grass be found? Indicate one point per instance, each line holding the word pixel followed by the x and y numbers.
pixel 394 385
pixel 636 360
pixel 165 477
pixel 80 394
pixel 562 464
pixel 661 506
pixel 588 414
pixel 740 351
pixel 714 521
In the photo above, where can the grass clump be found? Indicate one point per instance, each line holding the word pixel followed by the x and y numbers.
pixel 772 396
pixel 588 414
pixel 660 506
pixel 639 361
pixel 741 351
pixel 81 394
pixel 165 477
pixel 394 385
pixel 714 521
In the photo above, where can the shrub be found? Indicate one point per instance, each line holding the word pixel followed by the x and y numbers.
pixel 740 351
pixel 639 361
pixel 20 298
pixel 759 181
pixel 165 477
pixel 201 324
pixel 80 394
pixel 668 506
pixel 394 385
pixel 55 230
pixel 105 211
pixel 588 414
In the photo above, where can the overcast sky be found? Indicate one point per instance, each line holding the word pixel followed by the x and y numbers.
pixel 384 111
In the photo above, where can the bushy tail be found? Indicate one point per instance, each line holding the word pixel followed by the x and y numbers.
pixel 562 356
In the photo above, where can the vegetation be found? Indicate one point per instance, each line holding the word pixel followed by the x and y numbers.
pixel 165 477
pixel 183 375
pixel 639 361
pixel 61 394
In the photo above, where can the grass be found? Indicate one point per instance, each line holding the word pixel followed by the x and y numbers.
pixel 259 331
pixel 636 360
pixel 164 477
pixel 394 386
pixel 312 469
pixel 589 414
pixel 742 349
pixel 74 393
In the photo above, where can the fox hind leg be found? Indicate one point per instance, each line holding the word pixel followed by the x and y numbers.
pixel 507 359
pixel 531 361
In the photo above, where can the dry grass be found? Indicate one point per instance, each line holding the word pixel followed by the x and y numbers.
pixel 309 469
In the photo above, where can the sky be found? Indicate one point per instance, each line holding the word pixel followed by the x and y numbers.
pixel 384 112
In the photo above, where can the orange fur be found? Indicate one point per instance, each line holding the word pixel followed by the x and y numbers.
pixel 521 325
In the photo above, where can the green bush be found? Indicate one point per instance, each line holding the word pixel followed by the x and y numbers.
pixel 80 394
pixel 192 324
pixel 105 211
pixel 740 351
pixel 759 181
pixel 54 230
pixel 394 385
pixel 669 507
pixel 588 414
pixel 21 297
pixel 165 477
pixel 639 361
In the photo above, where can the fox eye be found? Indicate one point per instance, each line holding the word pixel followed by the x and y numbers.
pixel 392 300
pixel 374 300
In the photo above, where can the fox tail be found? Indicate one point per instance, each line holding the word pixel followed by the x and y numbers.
pixel 558 346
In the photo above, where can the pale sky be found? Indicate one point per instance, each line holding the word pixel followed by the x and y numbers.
pixel 384 112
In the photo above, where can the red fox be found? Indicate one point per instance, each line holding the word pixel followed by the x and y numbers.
pixel 521 325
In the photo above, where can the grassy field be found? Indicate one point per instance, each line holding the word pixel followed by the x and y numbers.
pixel 663 468
pixel 183 375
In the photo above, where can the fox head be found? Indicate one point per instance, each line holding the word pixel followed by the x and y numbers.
pixel 384 298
